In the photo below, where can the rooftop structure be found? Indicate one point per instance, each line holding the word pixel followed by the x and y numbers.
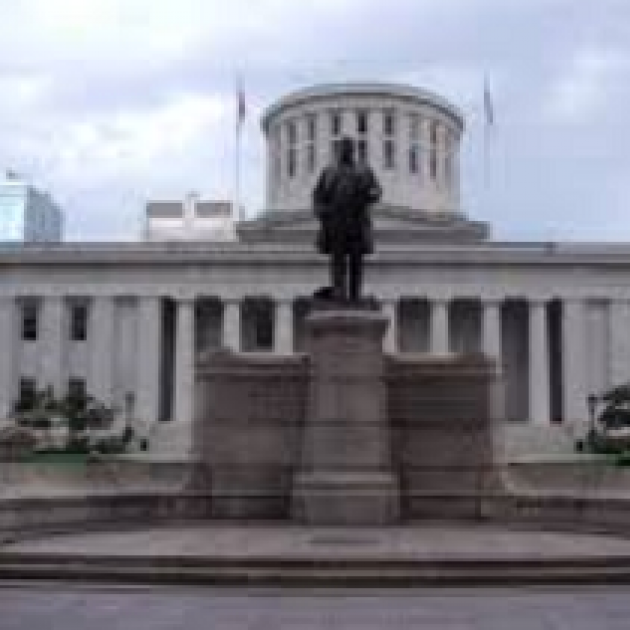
pixel 190 219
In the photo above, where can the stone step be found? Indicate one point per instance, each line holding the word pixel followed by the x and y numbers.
pixel 308 572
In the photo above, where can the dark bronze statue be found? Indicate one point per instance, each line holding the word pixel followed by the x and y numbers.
pixel 341 199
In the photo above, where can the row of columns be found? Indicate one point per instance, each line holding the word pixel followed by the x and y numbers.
pixel 402 137
pixel 539 373
pixel 101 366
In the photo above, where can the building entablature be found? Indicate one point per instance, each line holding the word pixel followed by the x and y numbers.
pixel 611 256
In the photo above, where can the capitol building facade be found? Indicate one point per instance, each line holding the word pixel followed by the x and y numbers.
pixel 125 321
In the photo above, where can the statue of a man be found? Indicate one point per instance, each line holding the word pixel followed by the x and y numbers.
pixel 341 198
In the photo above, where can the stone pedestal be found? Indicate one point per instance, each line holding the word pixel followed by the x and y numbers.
pixel 345 474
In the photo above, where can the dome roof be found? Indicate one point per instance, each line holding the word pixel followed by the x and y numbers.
pixel 368 89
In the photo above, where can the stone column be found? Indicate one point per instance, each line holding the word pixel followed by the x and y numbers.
pixel 321 140
pixel 373 139
pixel 283 333
pixel 456 172
pixel 439 327
pixel 231 337
pixel 101 345
pixel 390 340
pixel 491 330
pixel 401 151
pixel 184 361
pixel 345 472
pixel 348 120
pixel 619 341
pixel 53 338
pixel 539 389
pixel 441 156
pixel 425 146
pixel 270 174
pixel 574 360
pixel 8 360
pixel 149 359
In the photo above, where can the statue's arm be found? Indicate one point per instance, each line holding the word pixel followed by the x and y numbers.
pixel 321 193
pixel 374 190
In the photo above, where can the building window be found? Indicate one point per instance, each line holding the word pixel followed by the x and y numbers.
pixel 291 149
pixel 362 122
pixel 335 134
pixel 335 124
pixel 362 151
pixel 311 159
pixel 311 135
pixel 264 331
pixel 433 149
pixel 30 317
pixel 260 314
pixel 78 322
pixel 389 145
pixel 311 126
pixel 449 158
pixel 28 390
pixel 389 161
pixel 415 163
pixel 77 389
pixel 389 124
pixel 362 135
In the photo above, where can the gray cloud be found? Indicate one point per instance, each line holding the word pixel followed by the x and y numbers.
pixel 111 106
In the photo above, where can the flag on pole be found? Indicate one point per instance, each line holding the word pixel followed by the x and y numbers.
pixel 240 105
pixel 488 106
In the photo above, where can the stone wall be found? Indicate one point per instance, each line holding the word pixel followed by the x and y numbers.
pixel 441 412
pixel 251 411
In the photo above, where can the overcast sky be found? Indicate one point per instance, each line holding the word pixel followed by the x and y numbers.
pixel 110 102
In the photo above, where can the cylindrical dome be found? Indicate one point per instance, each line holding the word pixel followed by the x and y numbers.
pixel 410 138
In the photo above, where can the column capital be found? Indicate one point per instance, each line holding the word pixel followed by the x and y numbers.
pixel 491 300
pixel 150 297
pixel 538 300
pixel 231 300
pixel 185 299
pixel 283 300
pixel 440 299
pixel 390 301
pixel 574 299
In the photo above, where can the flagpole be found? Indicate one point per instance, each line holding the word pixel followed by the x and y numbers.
pixel 240 117
pixel 488 107
pixel 237 171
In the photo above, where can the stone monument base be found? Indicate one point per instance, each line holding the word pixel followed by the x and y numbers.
pixel 345 474
pixel 346 498
pixel 344 434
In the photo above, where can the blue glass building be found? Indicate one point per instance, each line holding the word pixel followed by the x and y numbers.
pixel 28 214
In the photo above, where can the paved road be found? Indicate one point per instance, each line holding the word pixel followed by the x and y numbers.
pixel 101 608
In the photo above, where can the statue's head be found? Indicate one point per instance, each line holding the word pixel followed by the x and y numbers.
pixel 346 151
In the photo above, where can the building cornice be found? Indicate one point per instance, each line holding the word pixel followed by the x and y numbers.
pixel 121 254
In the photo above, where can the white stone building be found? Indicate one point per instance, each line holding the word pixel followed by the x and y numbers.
pixel 189 220
pixel 126 319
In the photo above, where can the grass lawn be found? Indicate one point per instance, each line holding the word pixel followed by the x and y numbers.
pixel 56 457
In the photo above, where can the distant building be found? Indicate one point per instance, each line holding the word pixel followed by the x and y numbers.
pixel 27 214
pixel 192 219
